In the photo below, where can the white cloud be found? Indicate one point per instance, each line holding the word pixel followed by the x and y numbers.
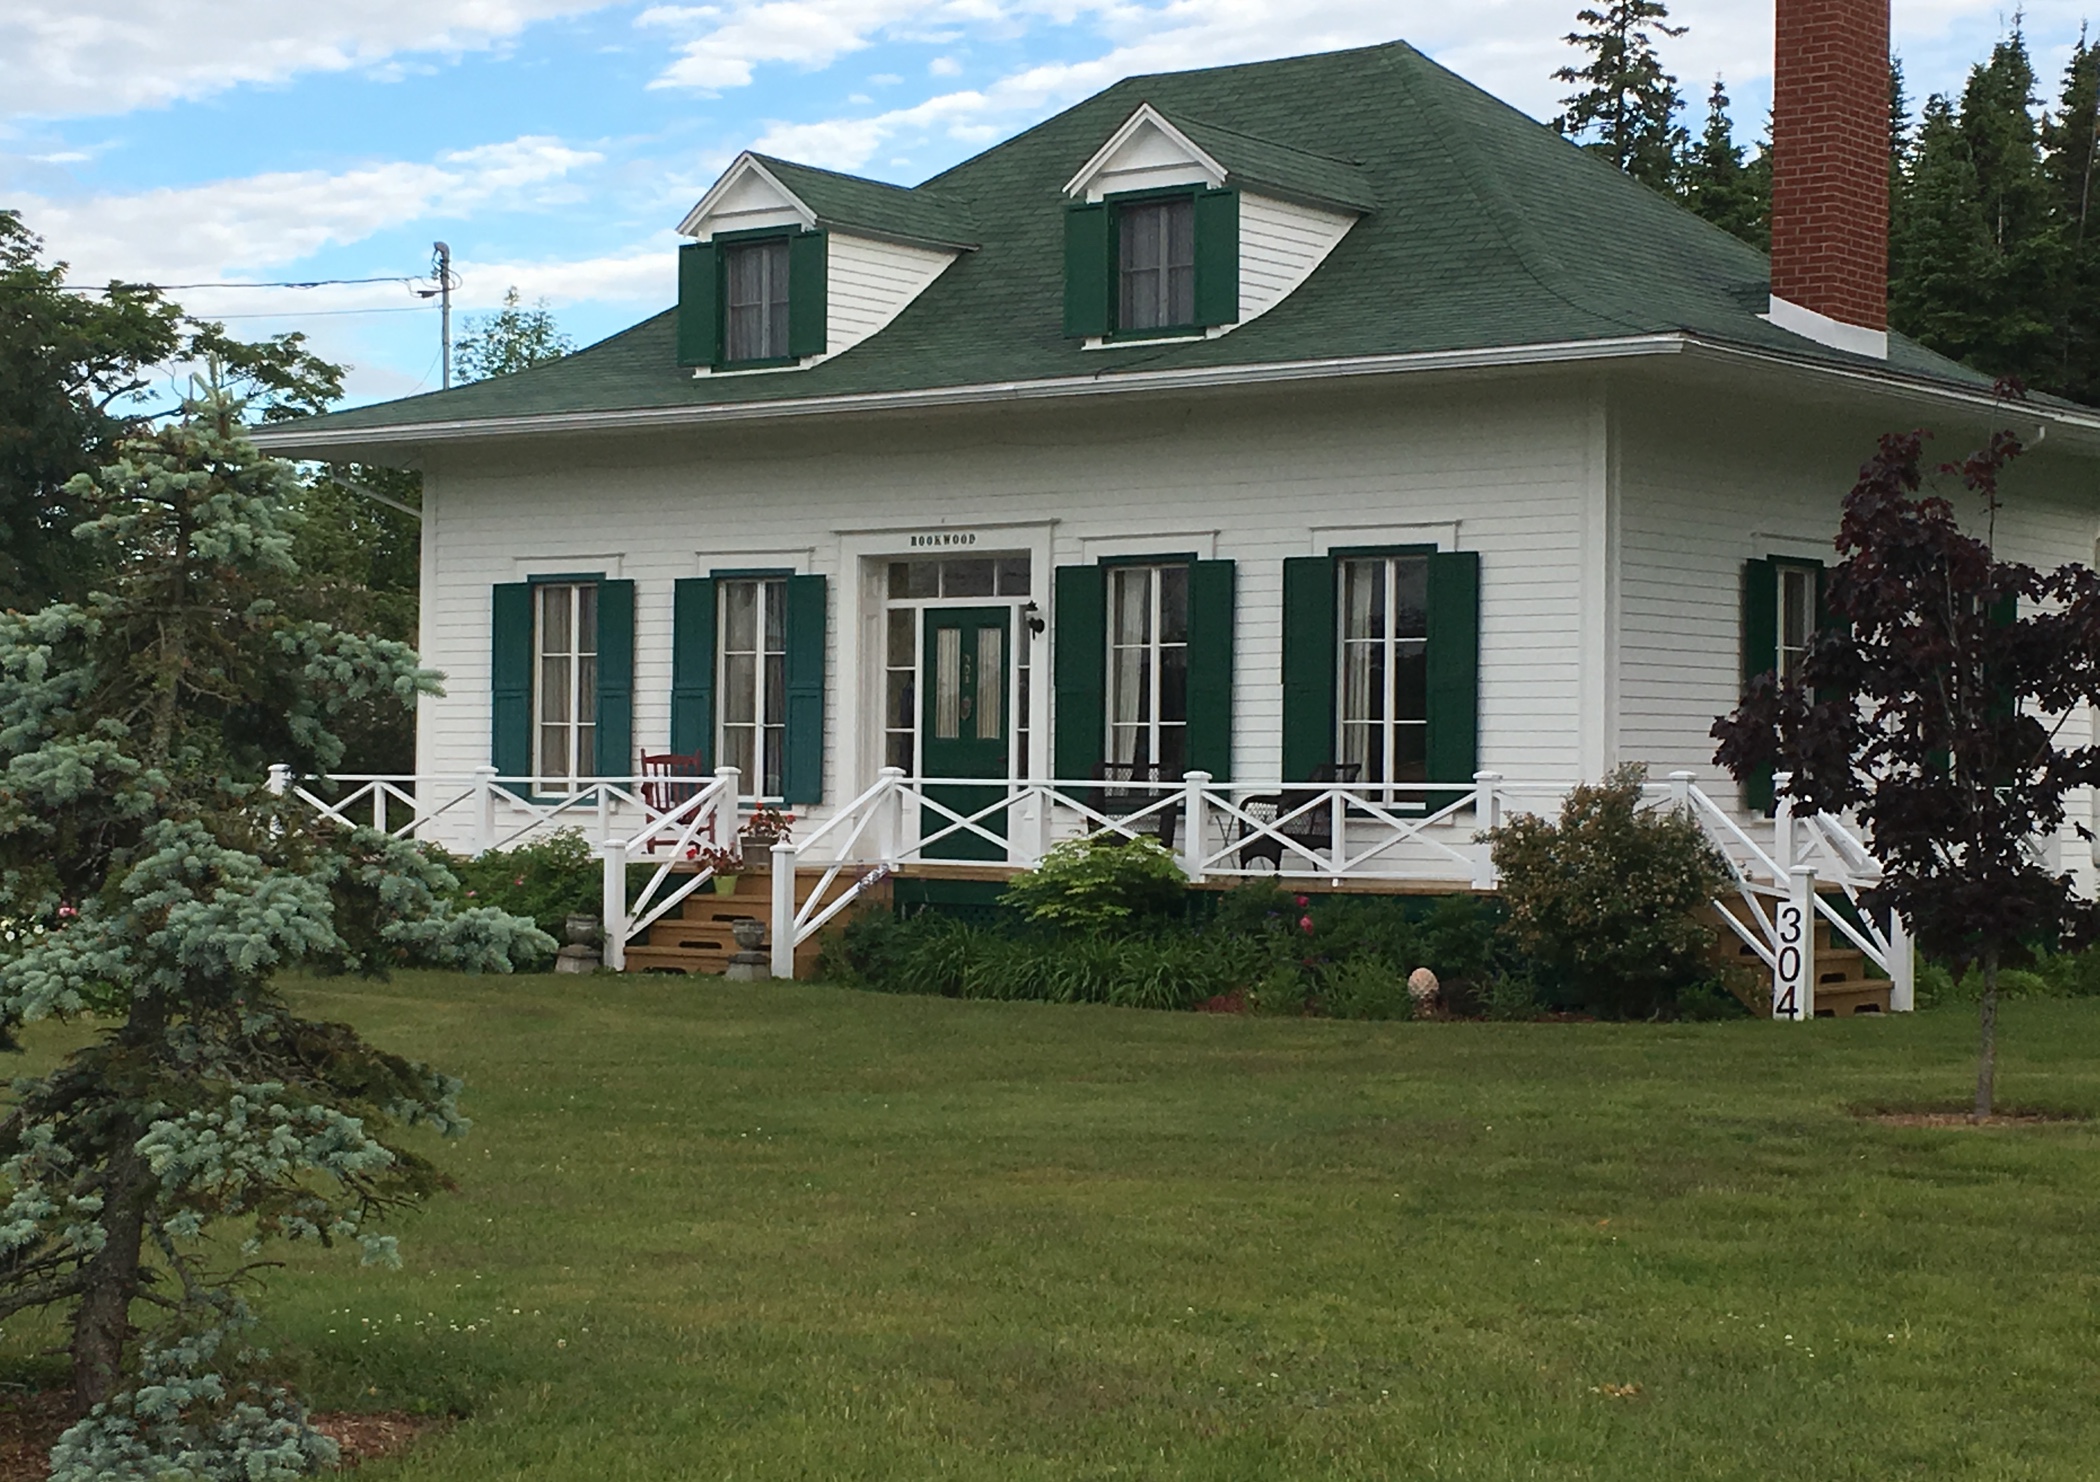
pixel 720 46
pixel 67 58
pixel 646 275
pixel 944 67
pixel 235 227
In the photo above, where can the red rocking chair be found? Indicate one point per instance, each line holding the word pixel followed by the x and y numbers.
pixel 670 780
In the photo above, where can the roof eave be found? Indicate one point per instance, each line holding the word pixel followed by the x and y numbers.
pixel 290 442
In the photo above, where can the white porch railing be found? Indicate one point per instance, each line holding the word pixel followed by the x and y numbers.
pixel 1316 835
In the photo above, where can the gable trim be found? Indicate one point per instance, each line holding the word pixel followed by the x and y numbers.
pixel 744 164
pixel 1078 186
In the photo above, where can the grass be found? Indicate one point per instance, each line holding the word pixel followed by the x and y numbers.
pixel 789 1231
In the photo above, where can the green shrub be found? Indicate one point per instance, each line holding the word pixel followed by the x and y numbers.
pixel 1367 988
pixel 1511 996
pixel 1102 882
pixel 548 880
pixel 1606 900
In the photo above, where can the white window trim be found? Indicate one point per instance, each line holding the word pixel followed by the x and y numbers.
pixel 1389 643
pixel 1327 540
pixel 753 783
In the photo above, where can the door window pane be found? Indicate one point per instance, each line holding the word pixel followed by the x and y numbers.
pixel 947 683
pixel 991 672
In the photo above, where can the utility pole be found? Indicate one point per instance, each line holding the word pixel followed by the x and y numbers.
pixel 443 271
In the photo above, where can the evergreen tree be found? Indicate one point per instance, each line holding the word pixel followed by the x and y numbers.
pixel 1940 247
pixel 512 339
pixel 1715 181
pixel 1626 106
pixel 156 890
pixel 2069 138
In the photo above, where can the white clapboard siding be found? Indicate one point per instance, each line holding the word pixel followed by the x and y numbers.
pixel 1280 245
pixel 869 283
pixel 1752 482
pixel 1510 470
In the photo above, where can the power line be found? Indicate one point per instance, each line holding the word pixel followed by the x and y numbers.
pixel 122 285
pixel 327 313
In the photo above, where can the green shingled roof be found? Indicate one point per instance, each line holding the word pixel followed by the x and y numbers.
pixel 1488 231
pixel 885 210
pixel 1282 168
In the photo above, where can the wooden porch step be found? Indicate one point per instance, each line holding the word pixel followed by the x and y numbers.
pixel 695 936
pixel 1843 983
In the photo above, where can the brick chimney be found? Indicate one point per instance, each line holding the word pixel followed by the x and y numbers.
pixel 1830 173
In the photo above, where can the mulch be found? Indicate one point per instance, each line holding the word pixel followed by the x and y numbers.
pixel 31 1423
pixel 1964 1119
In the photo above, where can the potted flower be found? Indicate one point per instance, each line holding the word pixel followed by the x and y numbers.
pixel 766 827
pixel 726 863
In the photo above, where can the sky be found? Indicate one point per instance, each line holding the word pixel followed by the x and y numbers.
pixel 555 144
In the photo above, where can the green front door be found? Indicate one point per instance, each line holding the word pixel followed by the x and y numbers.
pixel 963 725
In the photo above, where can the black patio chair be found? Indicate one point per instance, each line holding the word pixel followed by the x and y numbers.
pixel 1312 829
pixel 1123 788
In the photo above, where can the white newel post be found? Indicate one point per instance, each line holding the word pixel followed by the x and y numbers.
pixel 379 807
pixel 784 909
pixel 1487 816
pixel 1794 947
pixel 1782 825
pixel 612 905
pixel 280 781
pixel 484 808
pixel 604 811
pixel 1681 790
pixel 889 818
pixel 722 827
pixel 1193 846
pixel 1903 966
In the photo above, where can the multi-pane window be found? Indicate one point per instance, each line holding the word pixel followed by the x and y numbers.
pixel 756 300
pixel 1156 264
pixel 753 679
pixel 1384 691
pixel 565 688
pixel 1148 666
pixel 1797 617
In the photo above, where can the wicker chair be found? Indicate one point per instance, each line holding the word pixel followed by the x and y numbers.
pixel 1312 829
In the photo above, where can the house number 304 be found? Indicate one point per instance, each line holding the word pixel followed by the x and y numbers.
pixel 1788 1004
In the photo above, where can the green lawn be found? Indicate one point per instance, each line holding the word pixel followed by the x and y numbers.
pixel 787 1231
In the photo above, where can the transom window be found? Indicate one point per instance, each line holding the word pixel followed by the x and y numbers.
pixel 1156 262
pixel 756 300
pixel 1797 617
pixel 1384 690
pixel 753 704
pixel 565 688
pixel 1148 666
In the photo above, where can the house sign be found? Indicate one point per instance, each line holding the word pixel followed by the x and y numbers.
pixel 944 538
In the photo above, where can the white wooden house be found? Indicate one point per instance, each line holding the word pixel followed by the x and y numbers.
pixel 1320 422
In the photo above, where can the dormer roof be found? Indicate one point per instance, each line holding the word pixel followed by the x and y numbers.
pixel 757 186
pixel 1154 147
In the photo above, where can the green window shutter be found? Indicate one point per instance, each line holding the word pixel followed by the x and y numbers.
pixel 1080 655
pixel 807 287
pixel 802 767
pixel 1454 667
pixel 510 680
pixel 693 667
pixel 1089 263
pixel 1211 613
pixel 699 304
pixel 1760 637
pixel 1308 666
pixel 1217 257
pixel 615 729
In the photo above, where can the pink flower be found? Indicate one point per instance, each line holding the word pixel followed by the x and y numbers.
pixel 66 913
pixel 471 894
pixel 519 881
pixel 1305 924
pixel 1303 901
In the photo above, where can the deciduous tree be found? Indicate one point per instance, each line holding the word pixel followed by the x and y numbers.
pixel 1933 707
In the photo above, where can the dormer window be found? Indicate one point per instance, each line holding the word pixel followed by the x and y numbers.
pixel 1156 253
pixel 755 298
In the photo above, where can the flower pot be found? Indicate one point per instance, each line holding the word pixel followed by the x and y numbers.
pixel 580 927
pixel 749 931
pixel 758 852
pixel 725 884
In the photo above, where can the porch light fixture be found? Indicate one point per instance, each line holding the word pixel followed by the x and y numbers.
pixel 1033 616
